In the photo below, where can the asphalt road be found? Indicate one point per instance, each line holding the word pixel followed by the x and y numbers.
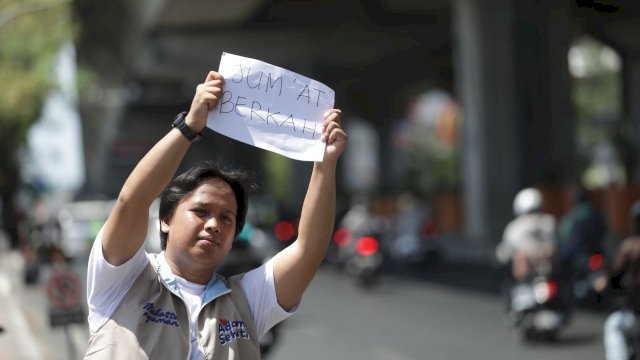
pixel 24 312
pixel 452 313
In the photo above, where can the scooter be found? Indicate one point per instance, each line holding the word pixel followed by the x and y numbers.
pixel 537 309
pixel 356 247
pixel 361 255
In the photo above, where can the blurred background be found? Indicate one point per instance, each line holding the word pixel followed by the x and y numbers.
pixel 452 107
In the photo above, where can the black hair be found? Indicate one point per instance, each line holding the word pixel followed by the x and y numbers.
pixel 581 195
pixel 186 183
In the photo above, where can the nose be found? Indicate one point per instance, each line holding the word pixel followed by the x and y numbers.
pixel 212 225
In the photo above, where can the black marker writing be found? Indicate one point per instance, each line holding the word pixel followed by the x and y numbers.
pixel 306 94
pixel 255 80
pixel 240 106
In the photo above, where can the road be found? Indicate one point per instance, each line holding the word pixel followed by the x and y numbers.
pixel 409 320
pixel 24 312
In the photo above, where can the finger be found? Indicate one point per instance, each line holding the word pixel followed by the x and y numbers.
pixel 216 82
pixel 208 99
pixel 330 128
pixel 332 114
pixel 332 117
pixel 212 89
pixel 336 136
pixel 214 75
pixel 211 100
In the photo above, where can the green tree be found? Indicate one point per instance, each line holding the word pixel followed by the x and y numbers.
pixel 31 32
pixel 597 98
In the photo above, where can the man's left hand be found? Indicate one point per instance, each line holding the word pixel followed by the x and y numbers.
pixel 333 134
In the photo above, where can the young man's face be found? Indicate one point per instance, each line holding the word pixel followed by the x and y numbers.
pixel 201 230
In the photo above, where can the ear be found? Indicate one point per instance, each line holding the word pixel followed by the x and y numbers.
pixel 164 226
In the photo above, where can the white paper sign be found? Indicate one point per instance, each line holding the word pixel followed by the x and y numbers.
pixel 272 108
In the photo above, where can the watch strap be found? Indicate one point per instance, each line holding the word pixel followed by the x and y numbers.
pixel 181 125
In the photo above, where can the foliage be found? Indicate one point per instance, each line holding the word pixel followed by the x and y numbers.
pixel 597 97
pixel 439 169
pixel 31 32
pixel 432 131
pixel 597 91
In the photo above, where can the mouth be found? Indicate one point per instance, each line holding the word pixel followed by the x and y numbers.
pixel 210 240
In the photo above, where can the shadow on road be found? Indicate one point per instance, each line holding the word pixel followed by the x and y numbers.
pixel 566 340
pixel 577 339
pixel 477 276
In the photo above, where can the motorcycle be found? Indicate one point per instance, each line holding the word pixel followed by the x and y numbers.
pixel 587 269
pixel 356 246
pixel 361 255
pixel 413 243
pixel 537 309
pixel 413 248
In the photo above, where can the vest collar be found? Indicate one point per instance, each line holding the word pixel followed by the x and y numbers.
pixel 214 288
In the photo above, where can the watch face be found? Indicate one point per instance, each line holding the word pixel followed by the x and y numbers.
pixel 179 120
pixel 179 123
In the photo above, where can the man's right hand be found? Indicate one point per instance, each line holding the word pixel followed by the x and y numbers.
pixel 600 283
pixel 205 100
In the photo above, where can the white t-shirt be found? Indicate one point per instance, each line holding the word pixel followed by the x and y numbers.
pixel 107 286
pixel 531 234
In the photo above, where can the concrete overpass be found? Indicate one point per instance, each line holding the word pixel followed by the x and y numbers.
pixel 505 60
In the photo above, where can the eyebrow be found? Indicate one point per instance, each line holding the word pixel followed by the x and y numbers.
pixel 205 204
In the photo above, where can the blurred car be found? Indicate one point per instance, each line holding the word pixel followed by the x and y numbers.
pixel 80 222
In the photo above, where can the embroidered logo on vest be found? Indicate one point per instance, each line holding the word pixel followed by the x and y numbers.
pixel 229 331
pixel 158 316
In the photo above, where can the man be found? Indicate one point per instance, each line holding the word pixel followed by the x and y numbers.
pixel 581 232
pixel 172 305
pixel 529 241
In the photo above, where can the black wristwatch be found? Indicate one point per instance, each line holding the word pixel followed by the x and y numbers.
pixel 179 123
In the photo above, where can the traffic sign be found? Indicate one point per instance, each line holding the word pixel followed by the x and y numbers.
pixel 64 289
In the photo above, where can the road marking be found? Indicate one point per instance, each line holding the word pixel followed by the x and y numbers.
pixel 17 326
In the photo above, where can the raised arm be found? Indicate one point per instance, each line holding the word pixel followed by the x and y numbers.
pixel 295 266
pixel 125 230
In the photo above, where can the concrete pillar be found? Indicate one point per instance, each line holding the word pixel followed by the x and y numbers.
pixel 562 131
pixel 484 64
pixel 546 125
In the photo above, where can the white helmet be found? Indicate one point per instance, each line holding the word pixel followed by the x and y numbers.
pixel 526 201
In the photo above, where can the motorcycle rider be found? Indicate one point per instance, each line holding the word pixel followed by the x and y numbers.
pixel 581 232
pixel 529 240
pixel 622 323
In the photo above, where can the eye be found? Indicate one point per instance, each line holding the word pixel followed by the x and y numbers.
pixel 227 219
pixel 199 211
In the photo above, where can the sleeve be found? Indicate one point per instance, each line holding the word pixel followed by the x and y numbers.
pixel 107 284
pixel 505 247
pixel 259 287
